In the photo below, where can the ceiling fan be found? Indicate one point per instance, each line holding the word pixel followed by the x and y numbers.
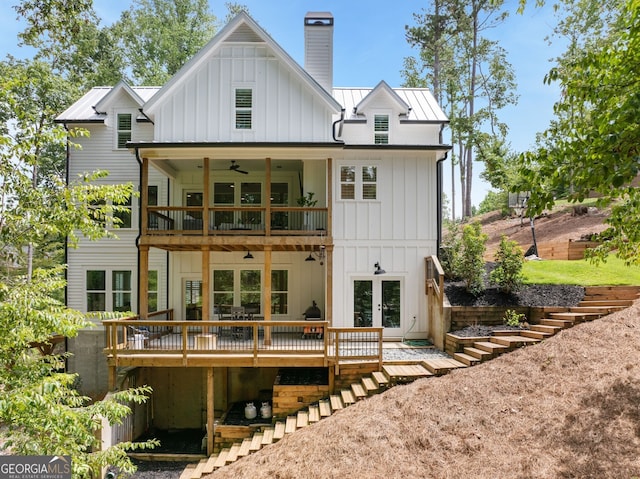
pixel 236 167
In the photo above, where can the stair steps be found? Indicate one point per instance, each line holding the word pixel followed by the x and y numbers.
pixel 314 414
pixel 440 366
pixel 513 342
pixel 256 442
pixel 336 402
pixel 560 323
pixel 267 437
pixel 358 391
pixel 466 359
pixel 491 347
pixel 245 447
pixel 325 408
pixel 535 334
pixel 302 419
pixel 291 425
pixel 279 431
pixel 479 354
pixel 594 306
pixel 369 385
pixel 405 373
pixel 381 379
pixel 551 330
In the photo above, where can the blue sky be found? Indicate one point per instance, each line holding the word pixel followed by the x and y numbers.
pixel 369 46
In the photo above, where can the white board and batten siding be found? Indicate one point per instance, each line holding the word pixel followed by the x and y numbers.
pixel 202 109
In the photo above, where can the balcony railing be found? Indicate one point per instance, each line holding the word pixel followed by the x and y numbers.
pixel 254 339
pixel 247 220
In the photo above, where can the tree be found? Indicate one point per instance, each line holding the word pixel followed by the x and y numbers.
pixel 157 37
pixel 592 145
pixel 42 412
pixel 469 74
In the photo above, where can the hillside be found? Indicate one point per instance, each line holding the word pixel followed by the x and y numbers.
pixel 566 408
pixel 559 224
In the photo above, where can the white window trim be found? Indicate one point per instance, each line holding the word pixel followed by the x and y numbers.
pixel 250 109
pixel 358 181
pixel 116 131
pixel 388 114
pixel 108 271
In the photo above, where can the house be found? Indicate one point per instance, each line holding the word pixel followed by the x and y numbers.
pixel 263 190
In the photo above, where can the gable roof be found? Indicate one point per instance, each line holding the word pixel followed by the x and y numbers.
pixel 424 107
pixel 85 109
pixel 241 29
pixel 382 88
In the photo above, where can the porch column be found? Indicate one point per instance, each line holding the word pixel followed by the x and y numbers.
pixel 206 299
pixel 205 197
pixel 143 282
pixel 210 412
pixel 267 213
pixel 267 293
pixel 144 197
pixel 328 307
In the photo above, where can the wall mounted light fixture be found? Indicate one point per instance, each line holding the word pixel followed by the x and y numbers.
pixel 378 269
pixel 248 255
pixel 317 254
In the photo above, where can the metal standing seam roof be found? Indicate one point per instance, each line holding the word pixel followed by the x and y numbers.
pixel 423 105
pixel 82 110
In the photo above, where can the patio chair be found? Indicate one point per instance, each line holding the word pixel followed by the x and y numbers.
pixel 238 313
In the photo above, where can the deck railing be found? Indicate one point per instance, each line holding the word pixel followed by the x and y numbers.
pixel 255 338
pixel 246 220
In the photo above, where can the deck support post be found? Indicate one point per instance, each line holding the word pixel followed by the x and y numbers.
pixel 267 294
pixel 210 412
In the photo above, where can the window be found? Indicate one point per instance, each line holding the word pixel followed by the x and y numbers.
pixel 381 129
pixel 223 195
pixel 121 290
pixel 124 129
pixel 347 182
pixel 250 289
pixel 152 291
pixel 115 295
pixel 369 182
pixel 279 291
pixel 193 299
pixel 122 219
pixel 96 291
pixel 222 288
pixel 244 105
pixel 251 195
pixel 359 182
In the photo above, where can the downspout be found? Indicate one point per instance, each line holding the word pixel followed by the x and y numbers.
pixel 139 227
pixel 439 189
pixel 66 248
pixel 333 127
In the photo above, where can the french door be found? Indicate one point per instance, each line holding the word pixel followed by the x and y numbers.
pixel 378 302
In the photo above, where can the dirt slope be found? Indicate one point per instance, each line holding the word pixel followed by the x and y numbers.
pixel 560 224
pixel 566 408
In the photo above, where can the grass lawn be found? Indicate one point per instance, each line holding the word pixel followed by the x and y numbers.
pixel 581 273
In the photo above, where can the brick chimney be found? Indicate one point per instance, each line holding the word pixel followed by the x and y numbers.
pixel 318 47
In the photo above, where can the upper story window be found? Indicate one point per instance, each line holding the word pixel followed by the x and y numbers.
pixel 124 129
pixel 359 182
pixel 124 215
pixel 381 129
pixel 244 108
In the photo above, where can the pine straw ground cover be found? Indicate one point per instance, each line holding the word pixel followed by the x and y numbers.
pixel 566 408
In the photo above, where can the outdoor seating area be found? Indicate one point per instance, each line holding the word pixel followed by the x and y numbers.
pixel 248 342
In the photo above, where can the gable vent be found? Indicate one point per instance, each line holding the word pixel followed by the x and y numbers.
pixel 244 34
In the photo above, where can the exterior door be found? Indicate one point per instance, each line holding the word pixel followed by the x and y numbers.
pixel 378 302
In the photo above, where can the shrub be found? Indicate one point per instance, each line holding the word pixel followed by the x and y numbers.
pixel 470 266
pixel 450 251
pixel 507 274
pixel 511 318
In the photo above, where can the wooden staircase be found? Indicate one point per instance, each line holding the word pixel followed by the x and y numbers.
pixel 598 301
pixel 391 375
